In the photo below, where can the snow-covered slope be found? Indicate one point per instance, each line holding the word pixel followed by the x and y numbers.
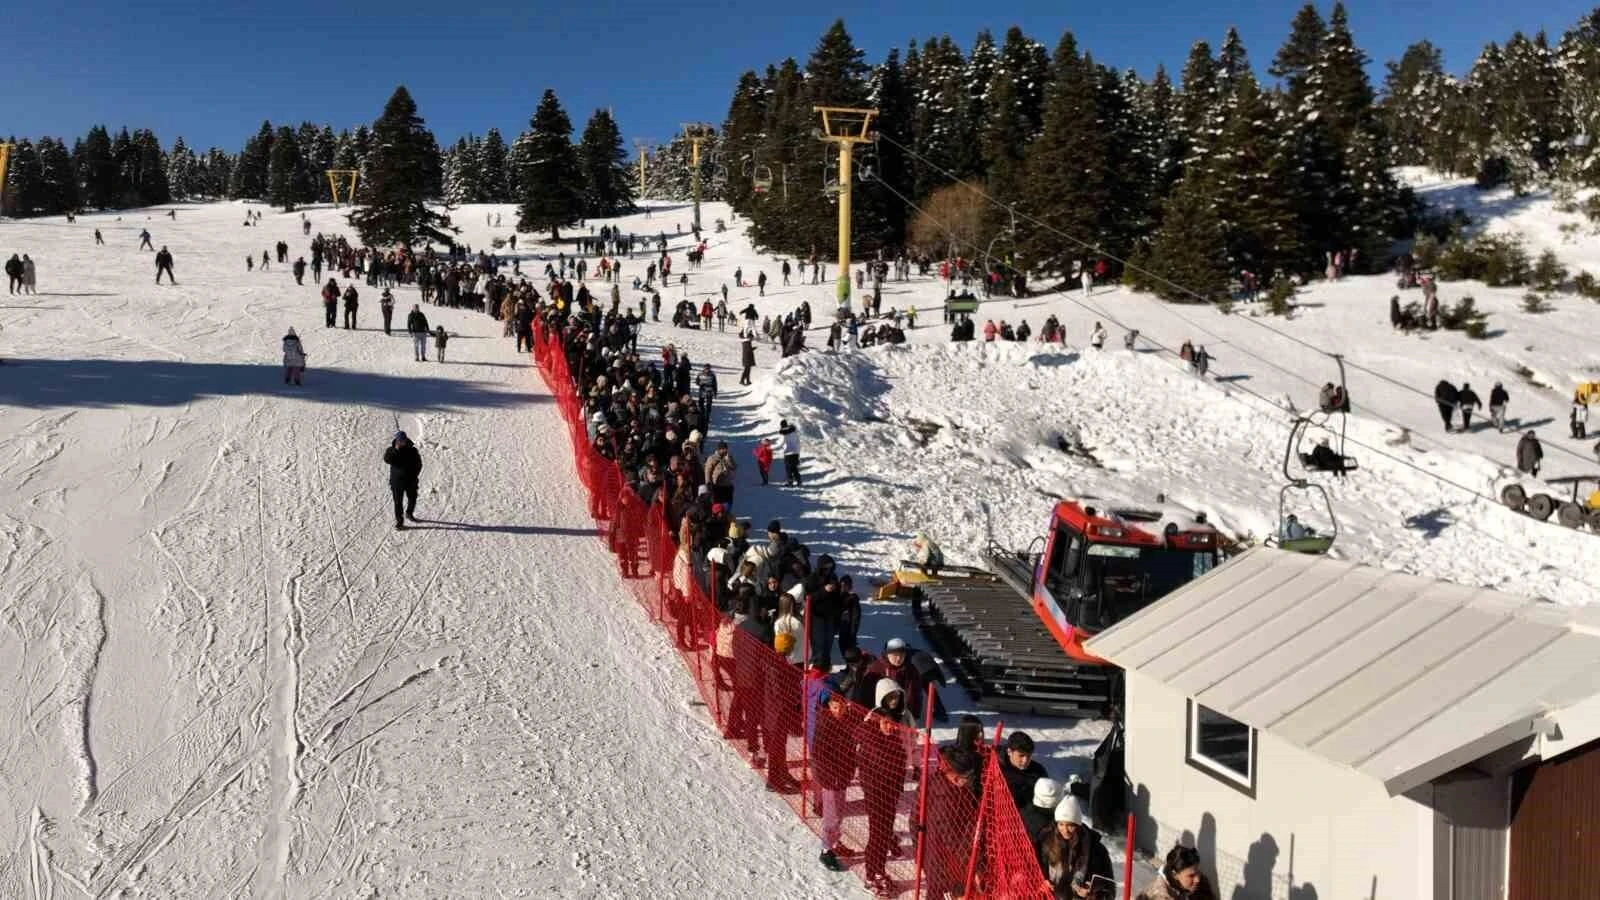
pixel 224 674
pixel 960 441
pixel 1536 217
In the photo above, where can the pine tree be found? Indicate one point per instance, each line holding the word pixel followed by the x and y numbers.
pixel 1014 117
pixel 461 174
pixel 608 185
pixel 836 75
pixel 742 135
pixel 319 159
pixel 1579 55
pixel 286 171
pixel 250 171
pixel 24 185
pixel 218 168
pixel 940 94
pixel 978 78
pixel 432 167
pixel 1199 104
pixel 1414 93
pixel 97 169
pixel 1067 168
pixel 181 170
pixel 1188 261
pixel 1295 58
pixel 889 93
pixel 552 181
pixel 494 180
pixel 151 187
pixel 396 211
pixel 60 176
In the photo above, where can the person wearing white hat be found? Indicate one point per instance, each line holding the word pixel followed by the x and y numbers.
pixel 1040 814
pixel 1073 859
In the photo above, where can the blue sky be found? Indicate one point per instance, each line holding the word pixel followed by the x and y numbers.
pixel 211 72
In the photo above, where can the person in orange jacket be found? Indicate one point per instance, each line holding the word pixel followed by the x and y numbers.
pixel 763 459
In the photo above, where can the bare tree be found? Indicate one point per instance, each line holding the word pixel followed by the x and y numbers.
pixel 952 220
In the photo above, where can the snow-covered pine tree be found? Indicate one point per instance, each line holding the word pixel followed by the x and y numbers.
pixel 1415 108
pixel 552 179
pixel 494 179
pixel 978 77
pixel 1579 55
pixel 319 159
pixel 462 173
pixel 150 170
pixel 1200 115
pixel 180 170
pixel 940 93
pixel 396 211
pixel 741 138
pixel 889 93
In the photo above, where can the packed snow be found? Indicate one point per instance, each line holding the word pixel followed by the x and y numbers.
pixel 226 676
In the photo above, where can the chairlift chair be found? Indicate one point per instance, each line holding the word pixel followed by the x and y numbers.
pixel 762 182
pixel 1312 541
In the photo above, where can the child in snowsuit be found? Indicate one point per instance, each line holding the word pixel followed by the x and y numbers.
pixel 763 459
pixel 440 338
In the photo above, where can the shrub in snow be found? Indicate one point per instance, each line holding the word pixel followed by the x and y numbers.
pixel 1425 252
pixel 1496 259
pixel 1548 272
pixel 1591 208
pixel 1278 297
pixel 1534 303
pixel 1461 316
pixel 1478 329
pixel 1586 285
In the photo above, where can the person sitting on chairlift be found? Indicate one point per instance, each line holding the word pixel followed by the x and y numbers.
pixel 1324 459
pixel 1292 530
pixel 1332 399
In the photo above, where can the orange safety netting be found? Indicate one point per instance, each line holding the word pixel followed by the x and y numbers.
pixel 866 779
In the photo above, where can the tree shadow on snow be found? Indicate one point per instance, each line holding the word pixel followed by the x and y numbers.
pixel 94 383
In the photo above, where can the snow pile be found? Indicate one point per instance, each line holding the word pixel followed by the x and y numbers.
pixel 974 442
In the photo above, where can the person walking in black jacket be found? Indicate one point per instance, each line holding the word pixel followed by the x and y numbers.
pixel 386 307
pixel 417 327
pixel 1468 400
pixel 1445 395
pixel 164 264
pixel 1498 400
pixel 405 468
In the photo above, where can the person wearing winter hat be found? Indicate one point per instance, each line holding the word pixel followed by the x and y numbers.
pixel 833 767
pixel 895 665
pixel 1019 768
pixel 788 440
pixel 883 760
pixel 294 358
pixel 1040 814
pixel 1072 857
pixel 405 470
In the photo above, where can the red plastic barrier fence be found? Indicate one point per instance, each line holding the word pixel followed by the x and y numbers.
pixel 857 775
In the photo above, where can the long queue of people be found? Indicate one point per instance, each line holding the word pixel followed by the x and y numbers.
pixel 651 417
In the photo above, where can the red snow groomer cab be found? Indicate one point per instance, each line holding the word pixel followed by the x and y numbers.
pixel 1100 566
pixel 1013 631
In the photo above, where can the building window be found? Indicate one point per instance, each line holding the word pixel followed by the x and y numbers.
pixel 1222 747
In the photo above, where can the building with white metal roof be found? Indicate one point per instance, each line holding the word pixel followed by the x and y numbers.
pixel 1376 716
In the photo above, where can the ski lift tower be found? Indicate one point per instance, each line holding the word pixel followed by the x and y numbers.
pixel 642 145
pixel 846 127
pixel 5 157
pixel 697 132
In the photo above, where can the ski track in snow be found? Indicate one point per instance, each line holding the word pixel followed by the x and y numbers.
pixel 223 675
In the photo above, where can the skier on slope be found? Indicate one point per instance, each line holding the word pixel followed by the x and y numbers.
pixel 164 264
pixel 405 468
pixel 294 358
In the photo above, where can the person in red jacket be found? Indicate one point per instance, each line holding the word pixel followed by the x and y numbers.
pixel 763 459
pixel 895 665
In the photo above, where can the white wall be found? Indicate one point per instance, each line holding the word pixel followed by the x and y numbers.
pixel 1344 829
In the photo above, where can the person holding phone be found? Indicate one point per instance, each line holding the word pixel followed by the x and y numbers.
pixel 405 469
